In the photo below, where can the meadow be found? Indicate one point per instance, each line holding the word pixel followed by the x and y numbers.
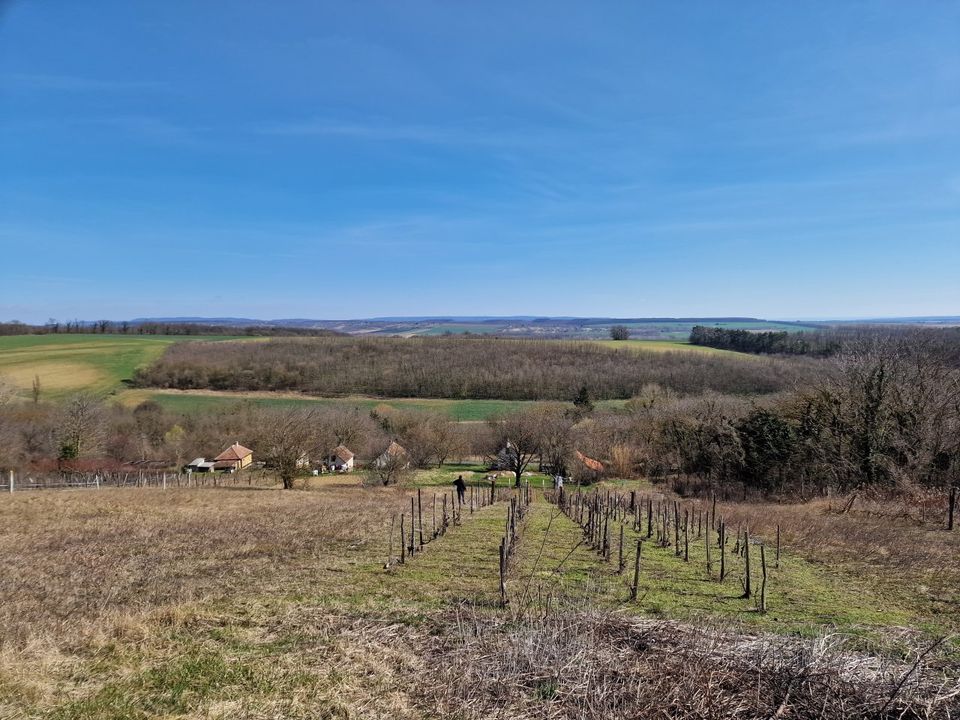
pixel 191 401
pixel 69 364
pixel 257 602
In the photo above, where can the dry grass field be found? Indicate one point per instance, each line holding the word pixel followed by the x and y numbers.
pixel 69 364
pixel 262 603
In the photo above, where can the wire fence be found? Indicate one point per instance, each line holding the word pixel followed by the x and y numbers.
pixel 25 481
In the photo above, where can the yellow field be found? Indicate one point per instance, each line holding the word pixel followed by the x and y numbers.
pixel 663 346
pixel 68 364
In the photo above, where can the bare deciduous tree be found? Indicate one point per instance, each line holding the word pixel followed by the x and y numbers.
pixel 82 427
pixel 287 438
pixel 517 439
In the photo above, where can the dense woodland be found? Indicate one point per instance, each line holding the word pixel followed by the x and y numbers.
pixel 459 367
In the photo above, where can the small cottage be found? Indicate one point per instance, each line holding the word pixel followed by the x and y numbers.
pixel 395 452
pixel 340 460
pixel 234 458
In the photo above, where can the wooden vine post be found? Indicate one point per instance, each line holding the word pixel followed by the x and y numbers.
pixel 413 527
pixel 777 560
pixel 393 527
pixel 503 571
pixel 951 507
pixel 706 545
pixel 636 572
pixel 420 515
pixel 723 550
pixel 746 564
pixel 763 580
pixel 621 563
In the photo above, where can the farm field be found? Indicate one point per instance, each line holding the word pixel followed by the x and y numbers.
pixel 187 401
pixel 130 603
pixel 660 346
pixel 91 363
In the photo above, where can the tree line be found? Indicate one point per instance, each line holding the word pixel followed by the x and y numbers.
pixel 125 327
pixel 828 342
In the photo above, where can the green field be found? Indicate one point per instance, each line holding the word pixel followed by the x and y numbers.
pixel 678 331
pixel 460 410
pixel 665 346
pixel 68 364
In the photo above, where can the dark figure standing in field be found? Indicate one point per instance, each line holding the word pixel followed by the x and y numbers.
pixel 461 488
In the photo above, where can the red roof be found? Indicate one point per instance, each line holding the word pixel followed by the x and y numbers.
pixel 589 462
pixel 342 453
pixel 235 453
pixel 395 449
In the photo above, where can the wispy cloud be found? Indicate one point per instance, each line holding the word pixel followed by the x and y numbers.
pixel 385 131
pixel 74 83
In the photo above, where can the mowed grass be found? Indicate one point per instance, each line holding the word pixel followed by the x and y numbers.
pixel 190 401
pixel 68 364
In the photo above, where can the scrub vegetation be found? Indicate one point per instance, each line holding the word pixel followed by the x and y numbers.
pixel 456 367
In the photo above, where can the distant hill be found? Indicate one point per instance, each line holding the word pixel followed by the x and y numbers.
pixel 649 328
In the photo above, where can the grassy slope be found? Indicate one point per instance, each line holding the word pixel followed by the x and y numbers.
pixel 269 645
pixel 187 401
pixel 72 363
pixel 666 346
pixel 801 597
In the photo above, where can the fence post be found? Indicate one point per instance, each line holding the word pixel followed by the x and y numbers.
pixel 503 572
pixel 636 572
pixel 11 481
pixel 723 550
pixel 622 564
pixel 164 481
pixel 777 564
pixel 951 507
pixel 706 544
pixel 420 515
pixel 746 563
pixel 763 581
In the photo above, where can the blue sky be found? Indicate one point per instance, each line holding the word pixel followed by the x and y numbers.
pixel 338 160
